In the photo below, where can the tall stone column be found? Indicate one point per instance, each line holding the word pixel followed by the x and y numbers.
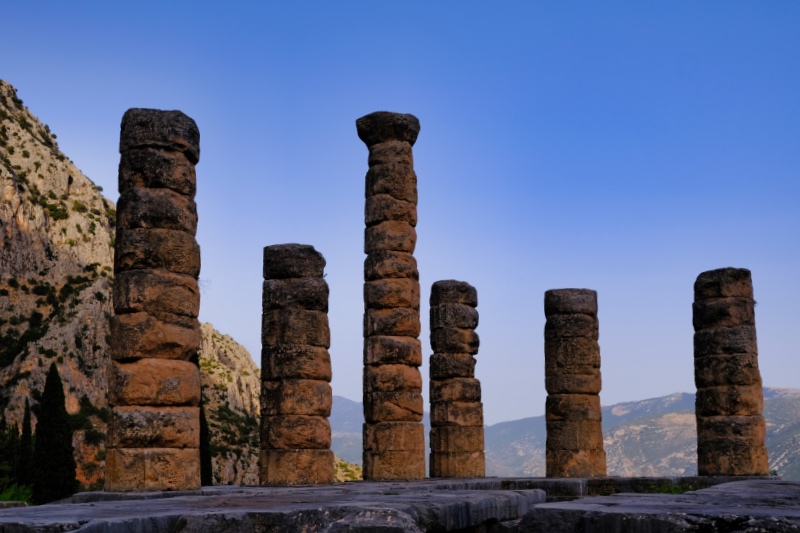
pixel 572 378
pixel 154 383
pixel 456 408
pixel 730 427
pixel 295 368
pixel 394 438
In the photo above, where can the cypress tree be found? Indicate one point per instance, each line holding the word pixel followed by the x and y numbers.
pixel 205 448
pixel 53 461
pixel 25 463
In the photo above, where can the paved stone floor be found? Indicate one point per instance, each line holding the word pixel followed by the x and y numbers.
pixel 491 505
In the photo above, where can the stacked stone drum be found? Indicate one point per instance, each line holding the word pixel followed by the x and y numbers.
pixel 730 427
pixel 572 378
pixel 154 382
pixel 296 369
pixel 394 438
pixel 456 409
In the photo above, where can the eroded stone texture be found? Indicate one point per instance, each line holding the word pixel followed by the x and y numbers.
pixel 729 404
pixel 296 394
pixel 393 448
pixel 456 436
pixel 154 387
pixel 574 445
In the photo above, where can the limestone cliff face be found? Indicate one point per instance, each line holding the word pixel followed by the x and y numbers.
pixel 231 387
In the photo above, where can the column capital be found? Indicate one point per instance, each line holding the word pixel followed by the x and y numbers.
pixel 382 126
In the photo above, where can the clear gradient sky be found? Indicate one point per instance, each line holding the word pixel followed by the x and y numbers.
pixel 622 146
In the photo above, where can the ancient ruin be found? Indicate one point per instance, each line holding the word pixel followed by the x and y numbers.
pixel 394 438
pixel 296 369
pixel 730 427
pixel 154 382
pixel 456 437
pixel 572 378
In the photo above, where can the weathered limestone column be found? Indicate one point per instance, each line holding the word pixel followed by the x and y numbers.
pixel 296 369
pixel 456 409
pixel 154 383
pixel 730 428
pixel 572 379
pixel 394 438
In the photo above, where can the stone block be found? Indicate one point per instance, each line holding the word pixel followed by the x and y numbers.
pixel 389 264
pixel 389 152
pixel 156 209
pixel 156 291
pixel 724 283
pixel 571 355
pixel 458 464
pixel 383 350
pixel 154 382
pixel 577 325
pixel 168 130
pixel 295 326
pixel 295 361
pixel 570 301
pixel 721 341
pixel 573 407
pixel 295 432
pixel 575 463
pixel 394 179
pixel 732 456
pixel 296 397
pixel 455 315
pixel 710 428
pixel 296 467
pixel 157 169
pixel 394 436
pixel 400 406
pixel 392 378
pixel 744 400
pixel 457 439
pixel 455 390
pixel 154 427
pixel 391 292
pixel 390 236
pixel 452 291
pixel 718 370
pixel 574 383
pixel 384 126
pixel 455 340
pixel 456 414
pixel 140 335
pixel 383 207
pixel 393 322
pixel 395 465
pixel 452 365
pixel 295 293
pixel 172 250
pixel 714 313
pixel 152 469
pixel 292 261
pixel 574 434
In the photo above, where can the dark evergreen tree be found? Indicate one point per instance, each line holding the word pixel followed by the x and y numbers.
pixel 206 477
pixel 25 462
pixel 7 454
pixel 53 461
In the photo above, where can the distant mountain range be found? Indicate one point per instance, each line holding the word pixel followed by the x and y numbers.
pixel 654 437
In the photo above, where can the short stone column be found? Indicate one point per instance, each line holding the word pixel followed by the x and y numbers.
pixel 730 427
pixel 456 437
pixel 394 438
pixel 572 378
pixel 154 383
pixel 296 369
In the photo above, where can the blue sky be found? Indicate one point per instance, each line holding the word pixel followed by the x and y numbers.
pixel 621 146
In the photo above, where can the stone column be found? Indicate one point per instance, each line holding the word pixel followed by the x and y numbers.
pixel 572 379
pixel 295 368
pixel 154 383
pixel 456 408
pixel 730 428
pixel 394 438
